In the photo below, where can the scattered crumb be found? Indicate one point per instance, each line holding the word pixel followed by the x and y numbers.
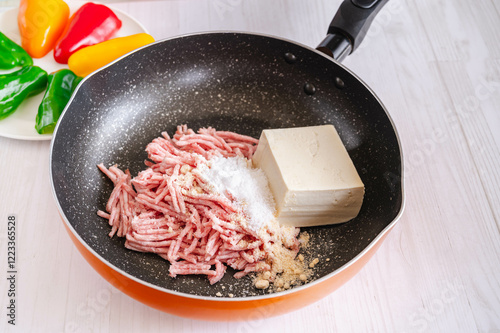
pixel 314 262
pixel 218 294
pixel 230 295
pixel 304 240
pixel 288 269
pixel 262 284
pixel 286 265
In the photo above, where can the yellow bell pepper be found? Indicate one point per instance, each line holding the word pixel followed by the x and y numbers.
pixel 41 22
pixel 86 60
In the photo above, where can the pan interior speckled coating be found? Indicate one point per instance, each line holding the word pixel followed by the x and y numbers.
pixel 231 81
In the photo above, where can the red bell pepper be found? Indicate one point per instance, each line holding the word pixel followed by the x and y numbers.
pixel 91 24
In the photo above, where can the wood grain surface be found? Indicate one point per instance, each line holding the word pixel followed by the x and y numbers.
pixel 435 65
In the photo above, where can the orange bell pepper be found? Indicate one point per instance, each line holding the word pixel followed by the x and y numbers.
pixel 41 22
pixel 86 60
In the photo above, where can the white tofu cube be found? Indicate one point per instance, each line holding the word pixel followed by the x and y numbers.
pixel 311 175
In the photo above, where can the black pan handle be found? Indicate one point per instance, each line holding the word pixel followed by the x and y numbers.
pixel 349 26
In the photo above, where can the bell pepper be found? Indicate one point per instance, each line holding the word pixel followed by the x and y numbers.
pixel 60 88
pixel 12 55
pixel 41 22
pixel 91 24
pixel 15 87
pixel 94 57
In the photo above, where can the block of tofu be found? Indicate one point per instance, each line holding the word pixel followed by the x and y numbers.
pixel 311 175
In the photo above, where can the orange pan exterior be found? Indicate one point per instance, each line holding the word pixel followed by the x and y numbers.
pixel 237 309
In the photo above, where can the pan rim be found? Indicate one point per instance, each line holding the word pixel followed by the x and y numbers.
pixel 226 298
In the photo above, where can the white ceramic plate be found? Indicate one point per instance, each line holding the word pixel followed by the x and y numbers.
pixel 21 124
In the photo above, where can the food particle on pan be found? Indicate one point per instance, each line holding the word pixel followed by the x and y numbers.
pixel 287 270
pixel 311 176
pixel 304 240
pixel 314 263
pixel 266 275
pixel 262 284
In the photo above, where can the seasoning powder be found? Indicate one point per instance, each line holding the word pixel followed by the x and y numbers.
pixel 235 178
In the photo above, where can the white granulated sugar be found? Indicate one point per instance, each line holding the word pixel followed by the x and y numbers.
pixel 249 186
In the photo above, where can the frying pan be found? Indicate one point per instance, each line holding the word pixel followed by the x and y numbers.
pixel 231 81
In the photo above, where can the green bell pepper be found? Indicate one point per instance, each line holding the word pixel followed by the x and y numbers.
pixel 61 86
pixel 12 55
pixel 15 87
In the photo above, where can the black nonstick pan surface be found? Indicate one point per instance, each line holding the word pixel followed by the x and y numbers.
pixel 231 81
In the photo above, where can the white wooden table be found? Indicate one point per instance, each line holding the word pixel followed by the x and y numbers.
pixel 436 66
